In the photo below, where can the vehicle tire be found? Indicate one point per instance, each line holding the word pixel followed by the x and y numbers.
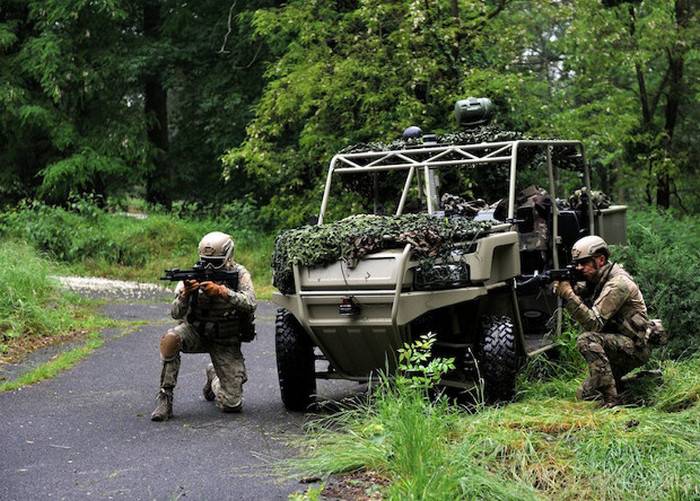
pixel 499 361
pixel 296 368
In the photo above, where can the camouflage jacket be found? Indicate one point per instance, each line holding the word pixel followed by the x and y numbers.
pixel 218 317
pixel 617 305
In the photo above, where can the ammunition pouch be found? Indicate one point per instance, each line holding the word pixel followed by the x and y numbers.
pixel 634 327
pixel 242 328
pixel 247 328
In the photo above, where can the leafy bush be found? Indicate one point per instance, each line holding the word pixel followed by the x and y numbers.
pixel 664 257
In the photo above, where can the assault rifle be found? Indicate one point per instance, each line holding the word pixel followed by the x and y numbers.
pixel 201 274
pixel 541 280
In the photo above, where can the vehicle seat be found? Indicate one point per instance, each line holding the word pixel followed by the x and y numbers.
pixel 571 227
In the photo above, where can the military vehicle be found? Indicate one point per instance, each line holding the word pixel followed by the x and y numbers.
pixel 347 320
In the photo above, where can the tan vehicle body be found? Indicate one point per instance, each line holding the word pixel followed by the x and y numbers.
pixel 389 308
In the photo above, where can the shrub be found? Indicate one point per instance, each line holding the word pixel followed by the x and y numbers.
pixel 663 255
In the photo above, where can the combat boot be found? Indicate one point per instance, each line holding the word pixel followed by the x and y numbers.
pixel 238 407
pixel 207 391
pixel 610 397
pixel 164 406
pixel 587 391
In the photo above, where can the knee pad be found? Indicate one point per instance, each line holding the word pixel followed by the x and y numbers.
pixel 170 345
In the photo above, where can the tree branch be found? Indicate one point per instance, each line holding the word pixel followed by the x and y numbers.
pixel 223 50
pixel 659 91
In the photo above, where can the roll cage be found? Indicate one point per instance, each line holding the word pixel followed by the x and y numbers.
pixel 430 157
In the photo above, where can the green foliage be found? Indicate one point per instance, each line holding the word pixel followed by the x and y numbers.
pixel 401 433
pixel 62 362
pixel 347 76
pixel 74 91
pixel 543 446
pixel 417 368
pixel 663 256
pixel 31 304
pixel 352 238
pixel 330 85
pixel 91 240
pixel 64 118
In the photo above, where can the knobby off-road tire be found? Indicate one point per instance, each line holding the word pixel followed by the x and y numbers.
pixel 500 361
pixel 296 367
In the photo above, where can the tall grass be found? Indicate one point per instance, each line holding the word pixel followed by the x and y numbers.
pixel 664 256
pixel 409 439
pixel 31 304
pixel 550 447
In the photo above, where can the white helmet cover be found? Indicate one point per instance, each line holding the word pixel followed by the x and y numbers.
pixel 588 247
pixel 216 248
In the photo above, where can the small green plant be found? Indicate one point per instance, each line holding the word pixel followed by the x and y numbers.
pixel 418 369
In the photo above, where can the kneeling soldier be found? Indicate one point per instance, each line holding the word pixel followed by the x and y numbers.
pixel 214 319
pixel 615 320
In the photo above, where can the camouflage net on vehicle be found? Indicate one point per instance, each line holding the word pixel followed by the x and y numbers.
pixel 354 237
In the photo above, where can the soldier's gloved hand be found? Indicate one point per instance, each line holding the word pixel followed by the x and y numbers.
pixel 189 286
pixel 212 289
pixel 563 290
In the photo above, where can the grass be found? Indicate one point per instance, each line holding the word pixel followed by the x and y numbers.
pixel 35 313
pixel 98 243
pixel 546 445
pixel 50 369
pixel 31 304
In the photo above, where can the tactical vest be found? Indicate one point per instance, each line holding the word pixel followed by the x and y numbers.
pixel 215 318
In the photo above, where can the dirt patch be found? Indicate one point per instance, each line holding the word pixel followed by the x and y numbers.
pixel 355 486
pixel 16 349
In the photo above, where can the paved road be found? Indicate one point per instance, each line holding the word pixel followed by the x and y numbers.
pixel 86 434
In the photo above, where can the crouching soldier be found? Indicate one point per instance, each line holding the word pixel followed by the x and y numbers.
pixel 214 319
pixel 617 328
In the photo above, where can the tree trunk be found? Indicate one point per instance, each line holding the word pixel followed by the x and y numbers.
pixel 676 56
pixel 158 180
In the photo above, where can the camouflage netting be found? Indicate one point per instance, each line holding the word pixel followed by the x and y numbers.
pixel 354 237
pixel 485 134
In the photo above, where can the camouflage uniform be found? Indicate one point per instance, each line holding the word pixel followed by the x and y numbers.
pixel 214 325
pixel 615 341
pixel 538 203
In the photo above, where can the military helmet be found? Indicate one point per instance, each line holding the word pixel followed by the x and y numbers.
pixel 215 249
pixel 412 132
pixel 588 247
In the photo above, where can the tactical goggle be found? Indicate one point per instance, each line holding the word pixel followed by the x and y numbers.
pixel 213 262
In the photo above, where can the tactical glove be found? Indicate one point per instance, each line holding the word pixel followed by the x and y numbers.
pixel 189 286
pixel 563 290
pixel 212 289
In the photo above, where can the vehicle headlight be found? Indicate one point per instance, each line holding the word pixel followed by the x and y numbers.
pixel 441 276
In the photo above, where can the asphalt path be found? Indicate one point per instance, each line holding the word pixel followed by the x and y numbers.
pixel 86 434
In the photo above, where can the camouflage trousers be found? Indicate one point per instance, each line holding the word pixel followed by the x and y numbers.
pixel 609 357
pixel 227 360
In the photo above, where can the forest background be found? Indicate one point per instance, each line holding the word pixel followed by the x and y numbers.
pixel 239 106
